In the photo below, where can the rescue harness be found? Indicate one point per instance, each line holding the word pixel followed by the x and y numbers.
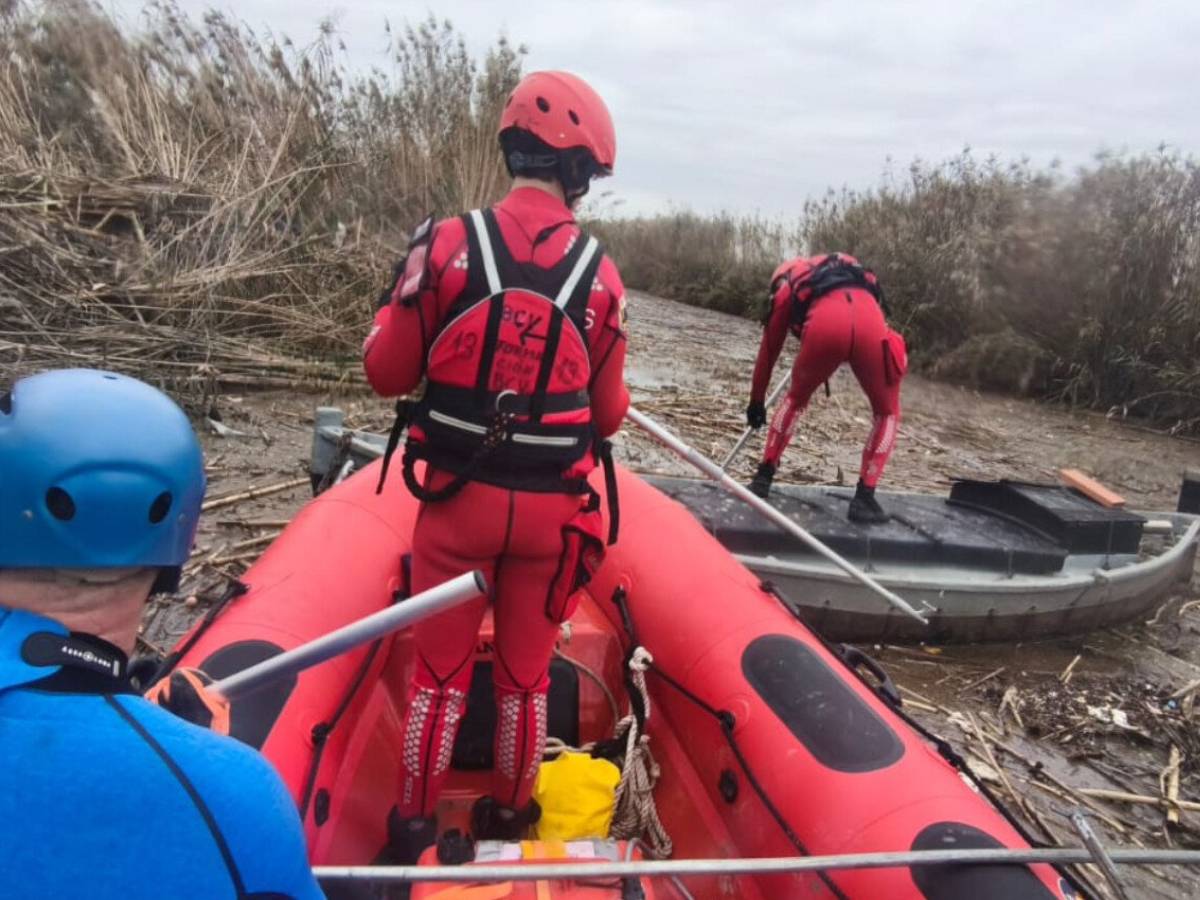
pixel 832 273
pixel 507 398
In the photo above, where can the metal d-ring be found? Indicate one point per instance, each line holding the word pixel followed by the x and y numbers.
pixel 500 398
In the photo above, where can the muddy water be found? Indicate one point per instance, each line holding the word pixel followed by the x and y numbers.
pixel 1087 712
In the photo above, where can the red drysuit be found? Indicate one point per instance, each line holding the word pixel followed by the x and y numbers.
pixel 846 325
pixel 514 536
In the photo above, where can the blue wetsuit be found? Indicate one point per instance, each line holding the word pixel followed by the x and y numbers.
pixel 104 795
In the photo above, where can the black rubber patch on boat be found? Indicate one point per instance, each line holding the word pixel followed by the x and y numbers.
pixel 727 784
pixel 818 707
pixel 321 805
pixel 251 717
pixel 473 748
pixel 982 882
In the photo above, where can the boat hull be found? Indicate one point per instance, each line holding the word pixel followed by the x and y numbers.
pixel 769 744
pixel 963 603
pixel 973 609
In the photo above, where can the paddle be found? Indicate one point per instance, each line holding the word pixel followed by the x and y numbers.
pixel 713 471
pixel 779 389
pixel 603 869
pixel 446 595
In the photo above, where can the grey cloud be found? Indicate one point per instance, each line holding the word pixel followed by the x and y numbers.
pixel 756 106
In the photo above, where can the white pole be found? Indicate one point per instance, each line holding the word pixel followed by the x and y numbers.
pixel 752 866
pixel 449 594
pixel 779 389
pixel 713 471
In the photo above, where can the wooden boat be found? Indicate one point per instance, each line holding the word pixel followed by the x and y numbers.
pixel 993 561
pixel 768 741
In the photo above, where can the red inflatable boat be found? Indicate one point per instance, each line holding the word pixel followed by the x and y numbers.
pixel 768 741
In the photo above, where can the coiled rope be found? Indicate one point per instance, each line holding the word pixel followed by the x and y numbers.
pixel 635 814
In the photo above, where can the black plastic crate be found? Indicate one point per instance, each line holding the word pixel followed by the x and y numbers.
pixel 1065 516
pixel 1189 492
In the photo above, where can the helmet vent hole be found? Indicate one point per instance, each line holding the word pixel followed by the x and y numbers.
pixel 60 504
pixel 543 104
pixel 160 507
pixel 574 118
pixel 6 403
pixel 110 377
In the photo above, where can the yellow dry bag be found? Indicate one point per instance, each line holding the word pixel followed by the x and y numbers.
pixel 577 794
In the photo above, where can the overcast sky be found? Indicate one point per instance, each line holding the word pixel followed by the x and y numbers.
pixel 754 106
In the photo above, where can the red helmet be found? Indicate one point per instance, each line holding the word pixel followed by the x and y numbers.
pixel 563 111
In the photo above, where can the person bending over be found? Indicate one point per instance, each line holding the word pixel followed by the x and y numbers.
pixel 836 308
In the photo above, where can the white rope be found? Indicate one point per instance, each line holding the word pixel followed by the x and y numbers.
pixel 635 815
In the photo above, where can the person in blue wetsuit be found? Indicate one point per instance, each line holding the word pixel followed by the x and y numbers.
pixel 102 793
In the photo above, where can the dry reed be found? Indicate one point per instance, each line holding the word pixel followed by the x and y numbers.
pixel 199 206
pixel 720 262
pixel 1083 288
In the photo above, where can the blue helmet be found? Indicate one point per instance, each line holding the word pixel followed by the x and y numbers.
pixel 97 471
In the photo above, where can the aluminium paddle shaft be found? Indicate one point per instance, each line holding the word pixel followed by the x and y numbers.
pixel 1058 856
pixel 737 448
pixel 713 471
pixel 427 603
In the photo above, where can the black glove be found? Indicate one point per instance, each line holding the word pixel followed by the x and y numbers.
pixel 185 693
pixel 756 414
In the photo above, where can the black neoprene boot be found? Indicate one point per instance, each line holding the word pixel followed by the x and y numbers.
pixel 865 509
pixel 760 484
pixel 407 839
pixel 490 821
pixel 455 848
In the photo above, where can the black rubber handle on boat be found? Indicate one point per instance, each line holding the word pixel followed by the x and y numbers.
pixel 856 659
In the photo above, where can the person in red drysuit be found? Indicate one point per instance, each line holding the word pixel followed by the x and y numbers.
pixel 527 522
pixel 834 306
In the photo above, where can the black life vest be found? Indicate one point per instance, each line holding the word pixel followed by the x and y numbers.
pixel 832 273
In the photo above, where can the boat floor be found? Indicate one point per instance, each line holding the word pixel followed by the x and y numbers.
pixel 589 668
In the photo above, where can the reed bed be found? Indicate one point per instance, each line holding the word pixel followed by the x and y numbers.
pixel 719 262
pixel 1079 287
pixel 201 206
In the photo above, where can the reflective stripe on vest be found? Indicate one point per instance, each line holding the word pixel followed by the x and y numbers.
pixel 568 287
pixel 485 247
